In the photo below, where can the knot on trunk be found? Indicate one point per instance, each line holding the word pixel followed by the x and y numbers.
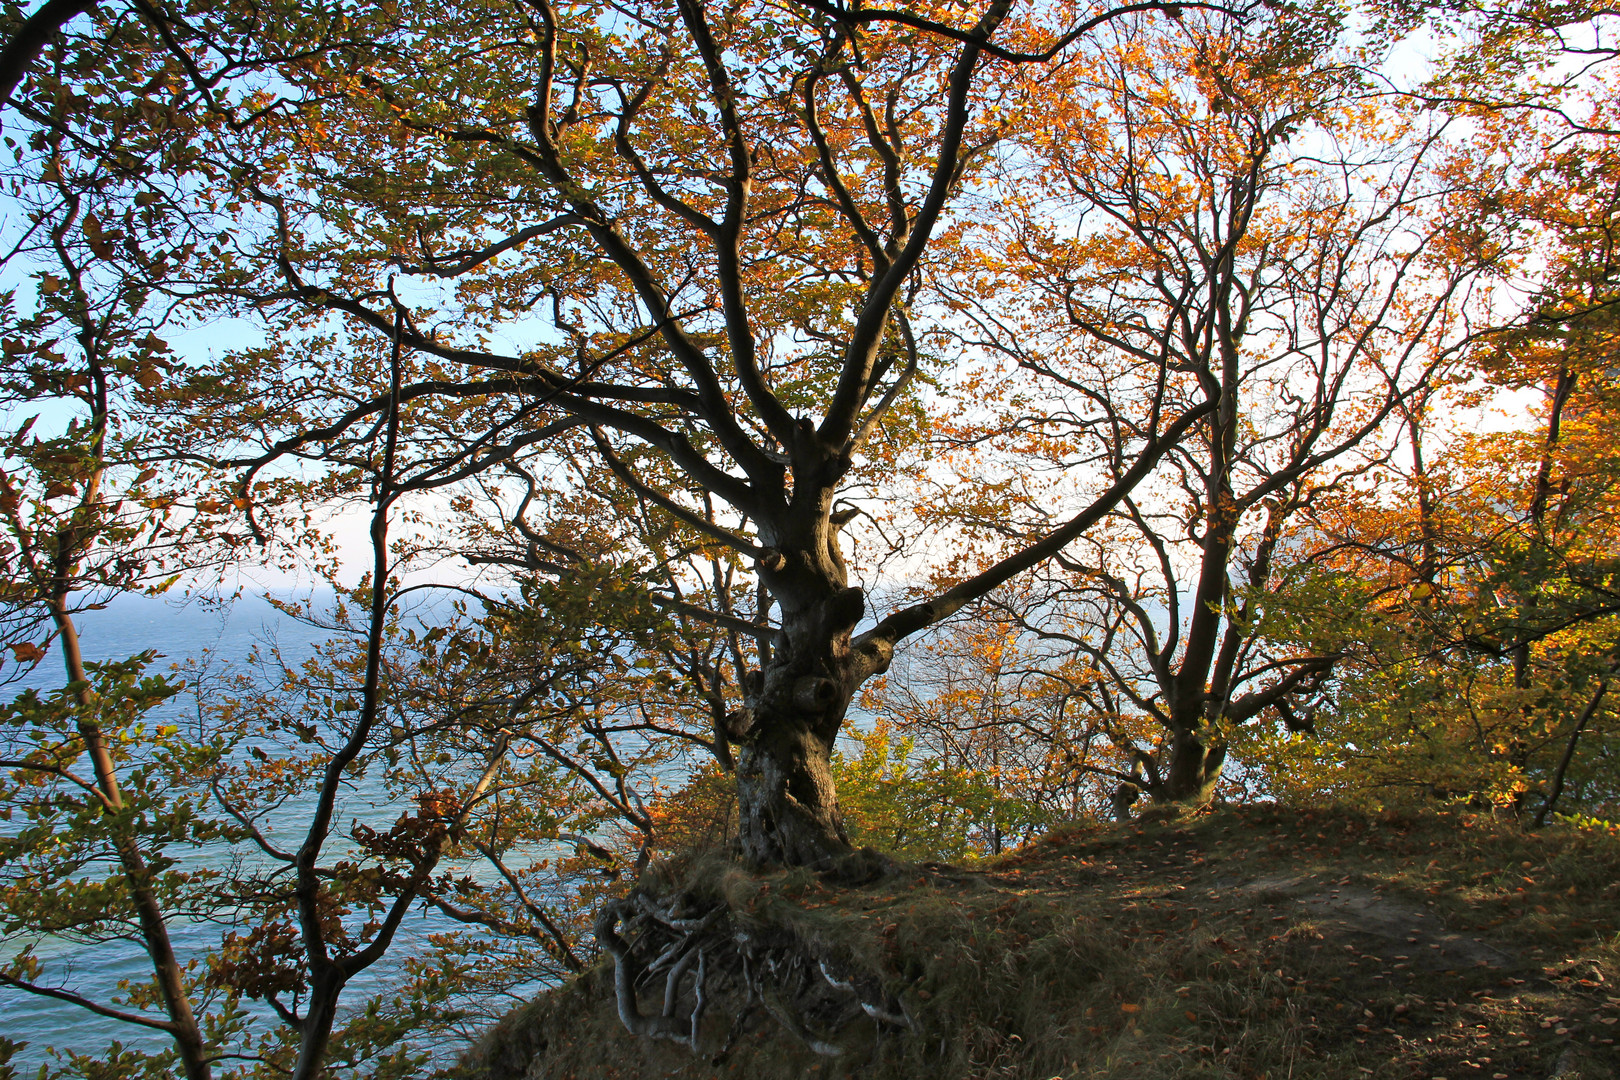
pixel 813 693
pixel 846 608
pixel 739 723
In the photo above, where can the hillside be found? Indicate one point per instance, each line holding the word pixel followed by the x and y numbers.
pixel 1263 942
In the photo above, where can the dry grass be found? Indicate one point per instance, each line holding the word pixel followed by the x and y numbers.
pixel 1267 943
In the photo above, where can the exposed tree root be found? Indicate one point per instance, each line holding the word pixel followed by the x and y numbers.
pixel 692 956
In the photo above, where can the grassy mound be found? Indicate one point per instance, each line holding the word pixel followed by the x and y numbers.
pixel 1265 942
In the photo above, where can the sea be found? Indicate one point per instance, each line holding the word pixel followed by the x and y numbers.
pixel 177 632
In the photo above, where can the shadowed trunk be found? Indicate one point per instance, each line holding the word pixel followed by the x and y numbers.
pixel 787 802
pixel 787 805
pixel 315 1032
pixel 1192 771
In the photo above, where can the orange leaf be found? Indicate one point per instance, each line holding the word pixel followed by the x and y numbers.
pixel 27 652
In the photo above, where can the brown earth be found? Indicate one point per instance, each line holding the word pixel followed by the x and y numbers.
pixel 1258 943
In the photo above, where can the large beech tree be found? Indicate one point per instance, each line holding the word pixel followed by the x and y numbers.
pixel 707 227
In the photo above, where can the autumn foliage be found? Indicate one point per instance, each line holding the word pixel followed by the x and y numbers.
pixel 822 434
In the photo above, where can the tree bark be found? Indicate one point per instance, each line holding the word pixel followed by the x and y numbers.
pixel 787 801
pixel 166 967
pixel 31 37
pixel 1193 769
pixel 315 1034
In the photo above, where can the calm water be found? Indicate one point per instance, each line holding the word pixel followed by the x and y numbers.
pixel 129 626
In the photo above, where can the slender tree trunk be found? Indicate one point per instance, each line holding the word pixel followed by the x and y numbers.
pixel 69 546
pixel 326 976
pixel 325 987
pixel 1569 752
pixel 1518 745
pixel 1428 529
pixel 188 1038
pixel 1190 764
pixel 166 968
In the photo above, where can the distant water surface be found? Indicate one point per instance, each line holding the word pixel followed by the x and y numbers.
pixel 177 633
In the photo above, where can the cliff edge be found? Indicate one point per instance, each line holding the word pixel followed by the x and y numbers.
pixel 1264 942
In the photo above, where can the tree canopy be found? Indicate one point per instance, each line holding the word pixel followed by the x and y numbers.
pixel 1001 414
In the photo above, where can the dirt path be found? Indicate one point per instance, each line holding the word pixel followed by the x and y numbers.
pixel 1392 963
pixel 1378 925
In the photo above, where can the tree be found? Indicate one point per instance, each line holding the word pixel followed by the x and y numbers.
pixel 1256 225
pixel 723 214
pixel 86 517
pixel 110 122
pixel 644 311
pixel 171 86
pixel 1488 556
pixel 472 726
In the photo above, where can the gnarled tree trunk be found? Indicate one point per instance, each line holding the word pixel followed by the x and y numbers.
pixel 787 801
pixel 1193 768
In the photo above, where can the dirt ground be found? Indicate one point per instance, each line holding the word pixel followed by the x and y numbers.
pixel 1261 943
pixel 1476 962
